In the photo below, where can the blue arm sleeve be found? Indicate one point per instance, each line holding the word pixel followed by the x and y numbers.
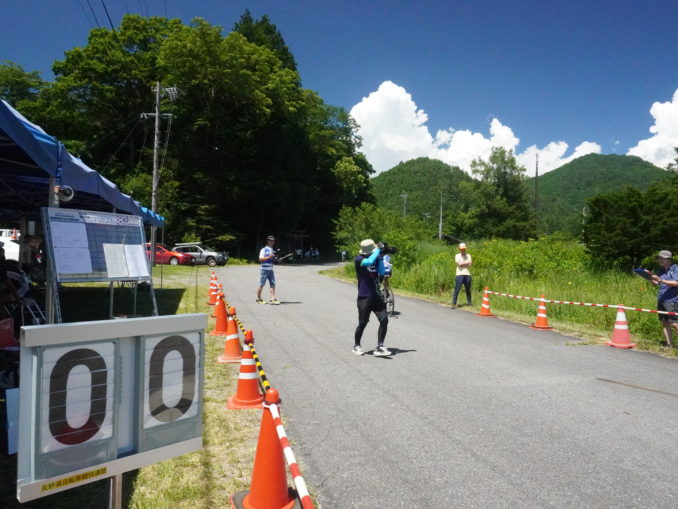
pixel 369 261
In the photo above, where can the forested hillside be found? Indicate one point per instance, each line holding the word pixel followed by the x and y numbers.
pixel 423 180
pixel 563 192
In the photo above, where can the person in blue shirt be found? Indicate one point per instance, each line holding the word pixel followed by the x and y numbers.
pixel 667 296
pixel 267 258
pixel 369 267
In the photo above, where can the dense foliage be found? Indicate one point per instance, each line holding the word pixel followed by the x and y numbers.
pixel 563 192
pixel 495 205
pixel 247 150
pixel 628 227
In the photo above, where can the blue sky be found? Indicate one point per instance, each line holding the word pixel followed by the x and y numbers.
pixel 445 79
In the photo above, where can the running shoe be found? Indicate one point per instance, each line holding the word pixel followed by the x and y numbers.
pixel 260 301
pixel 274 301
pixel 357 350
pixel 381 351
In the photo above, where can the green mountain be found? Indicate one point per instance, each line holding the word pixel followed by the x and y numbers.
pixel 424 181
pixel 563 192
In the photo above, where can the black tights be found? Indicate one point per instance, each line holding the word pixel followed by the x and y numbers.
pixel 367 305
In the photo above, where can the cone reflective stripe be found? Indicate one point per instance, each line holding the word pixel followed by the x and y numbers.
pixel 232 342
pixel 220 312
pixel 485 306
pixel 247 394
pixel 220 293
pixel 621 337
pixel 542 322
pixel 269 489
pixel 213 290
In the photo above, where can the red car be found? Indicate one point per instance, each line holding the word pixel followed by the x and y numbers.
pixel 164 255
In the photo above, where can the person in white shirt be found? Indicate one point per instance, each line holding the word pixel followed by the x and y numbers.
pixel 463 277
pixel 267 258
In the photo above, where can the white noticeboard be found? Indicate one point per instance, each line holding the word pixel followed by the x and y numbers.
pixel 102 398
pixel 95 246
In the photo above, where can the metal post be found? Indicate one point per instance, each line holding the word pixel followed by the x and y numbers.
pixel 536 176
pixel 115 492
pixel 156 170
pixel 404 196
pixel 440 222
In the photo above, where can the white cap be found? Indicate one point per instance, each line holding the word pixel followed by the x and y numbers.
pixel 462 246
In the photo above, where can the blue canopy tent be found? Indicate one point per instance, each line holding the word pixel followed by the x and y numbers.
pixel 29 157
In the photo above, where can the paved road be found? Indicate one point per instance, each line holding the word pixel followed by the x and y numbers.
pixel 468 412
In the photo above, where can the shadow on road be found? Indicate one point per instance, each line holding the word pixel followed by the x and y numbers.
pixel 394 352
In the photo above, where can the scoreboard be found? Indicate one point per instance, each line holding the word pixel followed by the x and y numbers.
pixel 102 398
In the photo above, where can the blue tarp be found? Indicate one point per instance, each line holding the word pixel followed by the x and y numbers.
pixel 29 156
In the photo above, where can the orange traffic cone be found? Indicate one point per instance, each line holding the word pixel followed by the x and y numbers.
pixel 621 337
pixel 269 488
pixel 212 293
pixel 232 342
pixel 247 394
pixel 220 294
pixel 485 306
pixel 220 328
pixel 542 322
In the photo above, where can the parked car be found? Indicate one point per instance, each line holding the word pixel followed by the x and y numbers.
pixel 202 254
pixel 164 255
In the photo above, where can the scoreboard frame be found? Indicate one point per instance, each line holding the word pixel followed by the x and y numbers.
pixel 105 397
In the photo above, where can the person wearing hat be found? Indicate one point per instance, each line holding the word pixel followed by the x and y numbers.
pixel 463 275
pixel 267 257
pixel 667 296
pixel 369 266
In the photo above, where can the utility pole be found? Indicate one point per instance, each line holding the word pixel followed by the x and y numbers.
pixel 536 177
pixel 404 197
pixel 156 157
pixel 156 171
pixel 440 221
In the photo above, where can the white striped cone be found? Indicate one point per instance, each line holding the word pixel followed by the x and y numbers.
pixel 485 306
pixel 232 343
pixel 542 322
pixel 621 337
pixel 247 394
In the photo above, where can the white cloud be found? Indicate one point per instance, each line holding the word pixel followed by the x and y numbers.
pixel 394 129
pixel 659 148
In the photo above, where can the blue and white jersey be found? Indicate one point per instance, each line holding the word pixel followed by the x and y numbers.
pixel 388 266
pixel 265 252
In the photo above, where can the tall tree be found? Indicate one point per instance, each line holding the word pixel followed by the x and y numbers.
pixel 264 33
pixel 496 204
pixel 17 85
pixel 674 165
pixel 250 150
pixel 626 227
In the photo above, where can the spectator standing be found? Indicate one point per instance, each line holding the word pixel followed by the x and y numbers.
pixel 267 258
pixel 8 291
pixel 667 296
pixel 463 275
pixel 369 267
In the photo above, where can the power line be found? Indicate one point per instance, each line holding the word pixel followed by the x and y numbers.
pixel 93 14
pixel 108 15
pixel 84 11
